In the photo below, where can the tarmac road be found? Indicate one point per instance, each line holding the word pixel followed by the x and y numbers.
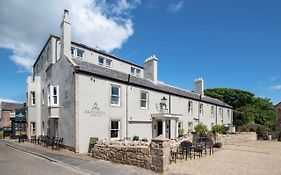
pixel 13 162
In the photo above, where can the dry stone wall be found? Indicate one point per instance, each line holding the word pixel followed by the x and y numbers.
pixel 237 137
pixel 154 157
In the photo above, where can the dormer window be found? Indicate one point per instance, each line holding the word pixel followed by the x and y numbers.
pixel 108 63
pixel 101 60
pixel 80 53
pixel 105 61
pixel 135 71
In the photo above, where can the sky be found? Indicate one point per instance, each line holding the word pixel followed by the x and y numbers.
pixel 230 44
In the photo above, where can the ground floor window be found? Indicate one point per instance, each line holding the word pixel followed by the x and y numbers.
pixel 115 129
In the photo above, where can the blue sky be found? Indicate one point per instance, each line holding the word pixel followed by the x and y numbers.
pixel 233 44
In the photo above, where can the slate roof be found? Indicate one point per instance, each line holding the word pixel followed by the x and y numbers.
pixel 11 106
pixel 90 68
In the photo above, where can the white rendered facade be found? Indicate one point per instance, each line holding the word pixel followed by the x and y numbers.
pixel 78 96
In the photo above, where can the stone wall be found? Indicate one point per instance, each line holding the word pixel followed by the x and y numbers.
pixel 237 137
pixel 154 157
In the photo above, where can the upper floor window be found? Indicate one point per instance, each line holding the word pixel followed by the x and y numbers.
pixel 144 99
pixel 101 60
pixel 53 95
pixel 212 111
pixel 80 53
pixel 201 109
pixel 135 71
pixel 190 106
pixel 75 52
pixel 104 61
pixel 115 95
pixel 108 63
pixel 32 99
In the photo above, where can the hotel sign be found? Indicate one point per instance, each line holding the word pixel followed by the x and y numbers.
pixel 95 111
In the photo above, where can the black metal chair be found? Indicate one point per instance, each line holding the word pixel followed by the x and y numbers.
pixel 186 148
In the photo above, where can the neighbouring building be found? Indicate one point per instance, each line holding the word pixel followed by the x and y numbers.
pixel 8 118
pixel 278 117
pixel 77 92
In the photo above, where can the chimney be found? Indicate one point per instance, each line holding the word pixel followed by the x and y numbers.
pixel 65 43
pixel 150 69
pixel 199 86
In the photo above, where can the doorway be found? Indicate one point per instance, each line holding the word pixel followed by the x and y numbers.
pixel 159 127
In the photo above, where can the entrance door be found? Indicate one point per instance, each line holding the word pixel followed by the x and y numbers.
pixel 159 128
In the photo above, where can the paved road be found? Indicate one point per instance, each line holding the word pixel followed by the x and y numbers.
pixel 20 160
pixel 13 162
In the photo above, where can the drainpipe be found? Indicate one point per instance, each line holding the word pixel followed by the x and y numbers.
pixel 127 115
pixel 170 109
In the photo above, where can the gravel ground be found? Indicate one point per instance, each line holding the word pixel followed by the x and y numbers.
pixel 249 158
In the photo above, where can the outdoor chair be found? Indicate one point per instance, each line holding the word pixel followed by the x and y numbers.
pixel 186 149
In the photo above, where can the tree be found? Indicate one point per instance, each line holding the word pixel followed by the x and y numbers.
pixel 247 107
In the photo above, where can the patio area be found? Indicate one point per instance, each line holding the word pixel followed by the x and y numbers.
pixel 255 157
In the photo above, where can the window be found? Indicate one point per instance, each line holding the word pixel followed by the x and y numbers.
pixel 115 129
pixel 33 129
pixel 55 95
pixel 101 60
pixel 43 97
pixel 32 98
pixel 108 63
pixel 135 71
pixel 144 99
pixel 212 111
pixel 201 109
pixel 72 51
pixel 80 53
pixel 115 95
pixel 190 105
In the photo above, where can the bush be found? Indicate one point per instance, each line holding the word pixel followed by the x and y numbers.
pixel 219 129
pixel 201 129
pixel 217 145
pixel 136 138
pixel 181 132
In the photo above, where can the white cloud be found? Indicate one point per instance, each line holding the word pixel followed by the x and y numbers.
pixel 276 87
pixel 175 6
pixel 26 25
pixel 9 100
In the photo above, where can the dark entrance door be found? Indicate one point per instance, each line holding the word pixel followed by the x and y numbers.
pixel 159 128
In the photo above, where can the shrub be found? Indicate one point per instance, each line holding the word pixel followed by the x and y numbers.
pixel 219 129
pixel 217 145
pixel 181 132
pixel 136 138
pixel 201 129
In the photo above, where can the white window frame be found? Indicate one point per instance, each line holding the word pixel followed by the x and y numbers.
pixel 51 95
pixel 201 108
pixel 118 129
pixel 101 58
pixel 144 100
pixel 113 95
pixel 108 61
pixel 32 98
pixel 82 51
pixel 190 107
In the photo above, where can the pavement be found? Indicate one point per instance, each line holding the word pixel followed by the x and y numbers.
pixel 82 163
